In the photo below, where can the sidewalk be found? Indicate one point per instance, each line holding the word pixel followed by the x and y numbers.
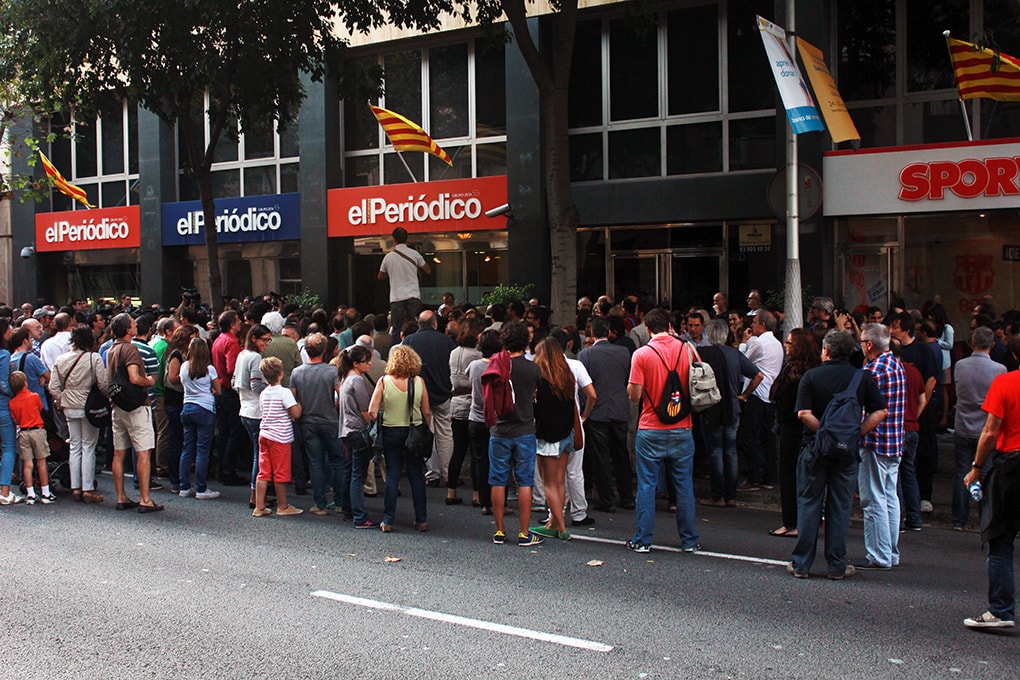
pixel 942 490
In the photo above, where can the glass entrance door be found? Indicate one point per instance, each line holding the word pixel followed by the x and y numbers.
pixel 677 279
pixel 868 276
pixel 636 275
pixel 694 279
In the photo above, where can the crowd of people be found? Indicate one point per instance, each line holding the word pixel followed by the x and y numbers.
pixel 566 420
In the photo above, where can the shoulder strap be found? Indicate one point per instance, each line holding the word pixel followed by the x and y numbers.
pixel 855 381
pixel 406 257
pixel 21 364
pixel 69 372
pixel 410 398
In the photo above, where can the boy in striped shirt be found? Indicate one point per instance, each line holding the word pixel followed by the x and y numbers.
pixel 279 410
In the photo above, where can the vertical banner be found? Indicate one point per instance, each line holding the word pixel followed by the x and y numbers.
pixel 841 126
pixel 800 108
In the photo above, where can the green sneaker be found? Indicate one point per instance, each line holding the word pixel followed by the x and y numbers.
pixel 542 530
pixel 563 535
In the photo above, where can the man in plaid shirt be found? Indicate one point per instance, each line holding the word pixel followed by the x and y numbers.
pixel 880 453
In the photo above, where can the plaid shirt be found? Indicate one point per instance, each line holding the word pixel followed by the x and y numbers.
pixel 887 438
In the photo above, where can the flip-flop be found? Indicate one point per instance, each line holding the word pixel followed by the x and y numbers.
pixel 149 508
pixel 127 505
pixel 781 531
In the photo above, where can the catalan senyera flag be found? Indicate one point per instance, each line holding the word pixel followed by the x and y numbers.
pixel 65 187
pixel 408 136
pixel 984 73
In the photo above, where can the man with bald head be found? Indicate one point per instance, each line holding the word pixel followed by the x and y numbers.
pixel 434 349
pixel 36 332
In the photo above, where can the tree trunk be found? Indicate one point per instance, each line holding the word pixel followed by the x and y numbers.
pixel 212 244
pixel 562 213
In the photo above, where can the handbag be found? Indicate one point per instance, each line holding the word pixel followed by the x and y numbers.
pixel 704 391
pixel 419 437
pixel 125 395
pixel 97 406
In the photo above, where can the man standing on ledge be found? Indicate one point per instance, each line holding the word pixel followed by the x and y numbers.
pixel 1000 514
pixel 401 267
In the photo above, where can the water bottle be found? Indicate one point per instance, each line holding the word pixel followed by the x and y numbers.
pixel 975 491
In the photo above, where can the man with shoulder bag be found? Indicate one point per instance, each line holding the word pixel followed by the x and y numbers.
pixel 132 417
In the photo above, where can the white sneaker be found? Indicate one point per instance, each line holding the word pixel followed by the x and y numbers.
pixel 11 499
pixel 926 506
pixel 987 620
pixel 184 493
pixel 207 495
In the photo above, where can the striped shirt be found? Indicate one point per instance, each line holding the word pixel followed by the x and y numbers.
pixel 277 424
pixel 887 438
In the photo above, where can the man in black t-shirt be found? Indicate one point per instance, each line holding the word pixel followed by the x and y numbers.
pixel 913 351
pixel 823 481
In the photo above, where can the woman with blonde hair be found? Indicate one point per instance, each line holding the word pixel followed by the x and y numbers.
pixel 399 413
pixel 555 411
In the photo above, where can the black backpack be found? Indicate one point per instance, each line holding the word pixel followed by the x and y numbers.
pixel 674 402
pixel 840 428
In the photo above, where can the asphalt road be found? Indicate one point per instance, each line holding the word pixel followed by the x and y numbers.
pixel 203 590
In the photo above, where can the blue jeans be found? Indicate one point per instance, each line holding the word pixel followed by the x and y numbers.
pixel 722 447
pixel 6 445
pixel 358 456
pixel 252 427
pixel 672 450
pixel 325 456
pixel 393 439
pixel 830 485
pixel 198 433
pixel 1001 581
pixel 876 478
pixel 910 494
pixel 175 442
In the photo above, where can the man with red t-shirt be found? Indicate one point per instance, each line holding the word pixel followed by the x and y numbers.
pixel 231 438
pixel 1000 514
pixel 659 444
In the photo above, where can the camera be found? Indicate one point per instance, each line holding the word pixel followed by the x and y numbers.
pixel 27 252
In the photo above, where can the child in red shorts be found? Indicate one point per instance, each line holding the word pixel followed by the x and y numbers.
pixel 26 411
pixel 276 432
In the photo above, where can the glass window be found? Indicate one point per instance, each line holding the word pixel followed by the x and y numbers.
pixel 1001 27
pixel 591 263
pixel 633 70
pixel 114 194
pixel 586 75
pixel 258 143
pixel 867 48
pixel 931 122
pixel 928 66
pixel 634 153
pixel 694 148
pixel 490 159
pixel 394 171
pixel 113 144
pixel 226 146
pixel 362 171
pixel 751 85
pixel 448 91
pixel 403 84
pixel 290 140
pixel 876 125
pixel 85 151
pixel 226 184
pixel 693 60
pixel 187 188
pixel 461 157
pixel 289 176
pixel 132 139
pixel 586 157
pixel 490 87
pixel 259 181
pixel 753 144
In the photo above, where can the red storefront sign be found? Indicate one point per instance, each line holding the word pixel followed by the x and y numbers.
pixel 88 229
pixel 449 205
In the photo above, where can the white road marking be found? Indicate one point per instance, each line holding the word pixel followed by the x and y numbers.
pixel 469 623
pixel 705 553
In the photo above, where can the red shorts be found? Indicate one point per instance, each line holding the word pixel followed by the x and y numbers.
pixel 274 461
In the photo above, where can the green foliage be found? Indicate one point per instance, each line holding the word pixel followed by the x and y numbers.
pixel 778 298
pixel 306 299
pixel 506 294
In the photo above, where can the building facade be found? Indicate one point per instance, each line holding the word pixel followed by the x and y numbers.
pixel 676 140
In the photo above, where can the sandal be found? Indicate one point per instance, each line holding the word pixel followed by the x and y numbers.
pixel 784 532
pixel 76 495
pixel 91 497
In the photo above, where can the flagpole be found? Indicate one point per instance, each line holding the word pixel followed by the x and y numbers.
pixel 793 303
pixel 963 106
pixel 408 167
